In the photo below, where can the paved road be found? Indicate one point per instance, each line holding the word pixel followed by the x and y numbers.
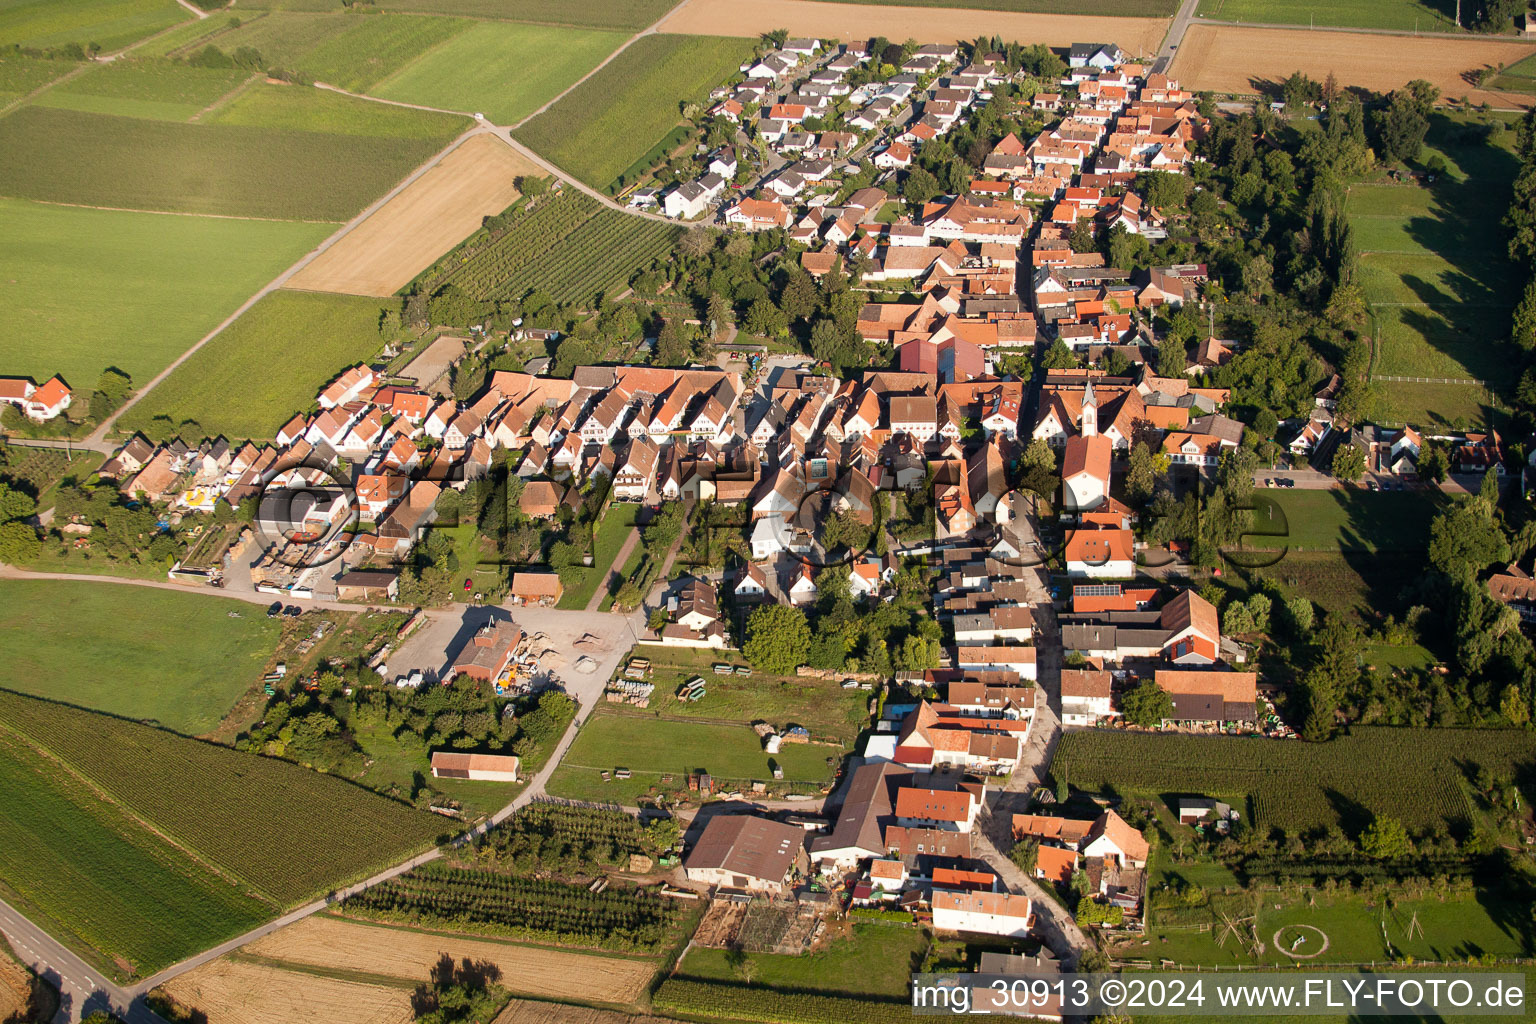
pixel 82 989
pixel 1175 36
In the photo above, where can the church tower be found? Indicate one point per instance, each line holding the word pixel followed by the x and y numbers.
pixel 1090 417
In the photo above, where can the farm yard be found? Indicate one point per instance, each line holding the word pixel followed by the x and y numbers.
pixel 1408 15
pixel 518 68
pixel 284 831
pixel 177 660
pixel 613 118
pixel 1413 775
pixel 411 231
pixel 312 336
pixel 343 944
pixel 1244 60
pixel 89 289
pixel 1439 283
pixel 112 23
pixel 266 168
pixel 105 886
pixel 566 245
pixel 660 752
pixel 231 990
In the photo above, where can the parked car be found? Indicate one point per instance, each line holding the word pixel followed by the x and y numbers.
pixel 293 610
pixel 274 609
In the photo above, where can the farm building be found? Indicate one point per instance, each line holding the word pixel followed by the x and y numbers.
pixel 369 585
pixel 989 913
pixel 744 851
pixel 484 767
pixel 541 588
pixel 488 652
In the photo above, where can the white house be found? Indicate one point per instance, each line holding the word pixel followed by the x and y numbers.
pixel 987 913
pixel 1085 696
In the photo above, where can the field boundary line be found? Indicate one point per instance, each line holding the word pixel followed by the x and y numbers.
pixel 422 55
pixel 419 929
pixel 393 103
pixel 164 213
pixel 330 973
pixel 201 14
pixel 29 97
pixel 146 824
pixel 228 97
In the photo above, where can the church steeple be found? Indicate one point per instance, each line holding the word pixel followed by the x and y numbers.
pixel 1090 419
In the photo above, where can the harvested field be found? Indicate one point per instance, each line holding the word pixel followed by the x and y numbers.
pixel 524 1011
pixel 236 992
pixel 434 213
pixel 337 944
pixel 932 24
pixel 1245 60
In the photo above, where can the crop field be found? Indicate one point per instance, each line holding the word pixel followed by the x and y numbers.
pixel 1412 775
pixel 603 125
pixel 290 109
pixel 100 880
pixel 174 659
pixel 410 232
pixel 518 68
pixel 156 90
pixel 734 1001
pixel 20 75
pixel 1086 8
pixel 568 246
pixel 1245 60
pixel 311 335
pixel 827 20
pixel 70 156
pixel 491 903
pixel 374 47
pixel 88 289
pixel 112 23
pixel 286 831
pixel 616 14
pixel 366 948
pixel 653 747
pixel 231 990
pixel 1425 15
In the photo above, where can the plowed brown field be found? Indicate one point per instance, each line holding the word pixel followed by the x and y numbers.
pixel 233 992
pixel 929 24
pixel 528 970
pixel 524 1011
pixel 433 214
pixel 1243 60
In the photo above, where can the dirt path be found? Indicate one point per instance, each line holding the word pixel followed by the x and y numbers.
pixel 615 571
pixel 201 14
pixel 11 572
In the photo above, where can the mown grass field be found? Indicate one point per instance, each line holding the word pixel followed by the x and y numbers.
pixel 285 831
pixel 112 23
pixel 517 69
pixel 156 90
pixel 1439 282
pixel 652 747
pixel 1426 15
pixel 1414 775
pixel 152 655
pixel 1349 519
pixel 98 881
pixel 309 335
pixel 607 539
pixel 610 120
pixel 251 170
pixel 87 289
pixel 876 960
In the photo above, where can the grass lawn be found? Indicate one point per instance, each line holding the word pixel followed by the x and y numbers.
pixel 515 69
pixel 651 747
pixel 154 655
pixel 1465 405
pixel 607 540
pixel 156 90
pixel 1390 657
pixel 112 23
pixel 626 572
pixel 91 159
pixel 823 707
pixel 1352 582
pixel 302 339
pixel 98 881
pixel 598 130
pixel 1353 518
pixel 1427 15
pixel 876 960
pixel 88 289
pixel 398 758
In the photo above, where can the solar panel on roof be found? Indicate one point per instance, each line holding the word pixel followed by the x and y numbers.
pixel 1097 590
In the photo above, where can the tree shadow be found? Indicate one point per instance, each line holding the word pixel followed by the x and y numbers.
pixel 464 979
